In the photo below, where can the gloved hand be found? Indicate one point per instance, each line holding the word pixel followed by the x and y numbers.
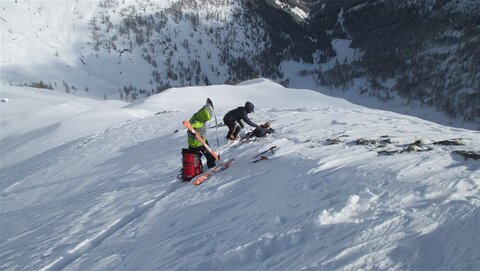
pixel 210 102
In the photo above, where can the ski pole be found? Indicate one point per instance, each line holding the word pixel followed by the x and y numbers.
pixel 216 130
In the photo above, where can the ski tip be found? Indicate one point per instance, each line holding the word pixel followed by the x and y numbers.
pixel 199 181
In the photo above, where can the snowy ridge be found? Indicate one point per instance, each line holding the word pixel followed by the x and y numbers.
pixel 103 195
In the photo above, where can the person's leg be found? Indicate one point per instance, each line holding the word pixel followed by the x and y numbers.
pixel 210 159
pixel 231 128
pixel 211 162
pixel 236 131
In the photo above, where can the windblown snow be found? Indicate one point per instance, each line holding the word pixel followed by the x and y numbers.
pixel 91 185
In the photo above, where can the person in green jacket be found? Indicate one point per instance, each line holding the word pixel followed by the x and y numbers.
pixel 198 122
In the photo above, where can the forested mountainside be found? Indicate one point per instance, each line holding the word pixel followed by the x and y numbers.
pixel 416 52
pixel 205 42
pixel 425 51
pixel 421 50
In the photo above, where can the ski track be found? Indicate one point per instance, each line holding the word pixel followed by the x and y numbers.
pixel 90 244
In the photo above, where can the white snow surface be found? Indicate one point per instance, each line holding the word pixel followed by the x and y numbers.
pixel 91 185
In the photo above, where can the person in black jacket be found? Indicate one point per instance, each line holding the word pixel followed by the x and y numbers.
pixel 233 119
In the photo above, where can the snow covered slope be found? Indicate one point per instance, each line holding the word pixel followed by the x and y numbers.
pixel 127 49
pixel 53 42
pixel 90 185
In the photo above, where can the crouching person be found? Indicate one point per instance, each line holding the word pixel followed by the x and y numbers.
pixel 233 119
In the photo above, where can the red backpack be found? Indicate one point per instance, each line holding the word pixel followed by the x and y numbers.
pixel 192 164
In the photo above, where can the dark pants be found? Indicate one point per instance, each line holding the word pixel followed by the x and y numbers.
pixel 203 151
pixel 233 128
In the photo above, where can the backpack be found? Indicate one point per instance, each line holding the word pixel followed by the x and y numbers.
pixel 260 132
pixel 192 164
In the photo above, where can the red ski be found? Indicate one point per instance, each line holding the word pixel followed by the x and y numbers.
pixel 187 124
pixel 197 180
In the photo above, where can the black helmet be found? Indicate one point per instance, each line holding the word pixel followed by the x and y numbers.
pixel 249 107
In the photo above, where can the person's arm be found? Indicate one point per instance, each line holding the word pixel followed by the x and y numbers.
pixel 196 124
pixel 249 122
pixel 199 118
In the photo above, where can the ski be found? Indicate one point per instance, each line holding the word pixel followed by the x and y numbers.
pixel 197 180
pixel 260 159
pixel 272 149
pixel 261 156
pixel 187 124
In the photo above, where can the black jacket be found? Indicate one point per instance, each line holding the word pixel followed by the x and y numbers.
pixel 238 115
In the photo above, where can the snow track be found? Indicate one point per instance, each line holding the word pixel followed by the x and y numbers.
pixel 89 244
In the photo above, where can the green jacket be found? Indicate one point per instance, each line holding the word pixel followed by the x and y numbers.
pixel 198 122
